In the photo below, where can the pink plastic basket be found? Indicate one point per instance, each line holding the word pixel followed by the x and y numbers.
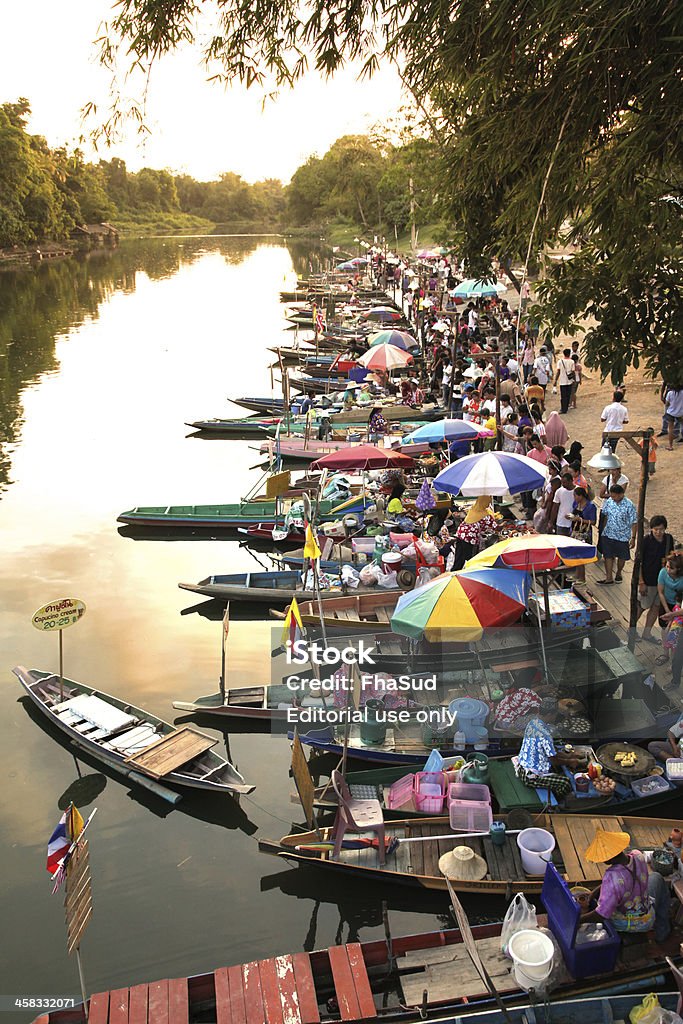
pixel 468 791
pixel 430 792
pixel 471 815
pixel 400 793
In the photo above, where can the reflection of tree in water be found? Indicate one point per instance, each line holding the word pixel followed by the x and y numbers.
pixel 308 256
pixel 41 303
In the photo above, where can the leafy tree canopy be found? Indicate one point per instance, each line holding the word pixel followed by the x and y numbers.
pixel 556 119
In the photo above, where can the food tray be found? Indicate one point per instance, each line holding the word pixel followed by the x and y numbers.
pixel 674 769
pixel 650 786
pixel 644 764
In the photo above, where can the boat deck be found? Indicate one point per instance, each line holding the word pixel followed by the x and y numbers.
pixel 573 834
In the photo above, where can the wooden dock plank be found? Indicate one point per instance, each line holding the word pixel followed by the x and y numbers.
pixel 222 989
pixel 98 1008
pixel 361 981
pixel 344 987
pixel 236 983
pixel 305 989
pixel 178 1001
pixel 289 999
pixel 583 834
pixel 270 989
pixel 431 857
pixel 157 1012
pixel 253 997
pixel 172 751
pixel 118 1006
pixel 137 1004
pixel 565 841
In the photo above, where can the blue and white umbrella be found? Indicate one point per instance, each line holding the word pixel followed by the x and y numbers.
pixel 491 473
pixel 445 430
pixel 471 289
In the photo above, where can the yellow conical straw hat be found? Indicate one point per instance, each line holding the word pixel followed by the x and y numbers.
pixel 606 845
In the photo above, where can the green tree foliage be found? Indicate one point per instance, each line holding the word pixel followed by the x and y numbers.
pixel 575 101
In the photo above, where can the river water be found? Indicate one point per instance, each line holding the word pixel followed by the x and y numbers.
pixel 102 360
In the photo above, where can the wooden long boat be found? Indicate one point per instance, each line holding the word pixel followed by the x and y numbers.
pixel 398 980
pixel 134 742
pixel 218 517
pixel 508 794
pixel 416 863
pixel 276 587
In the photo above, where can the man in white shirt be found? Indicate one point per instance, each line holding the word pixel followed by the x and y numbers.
pixel 566 376
pixel 563 506
pixel 513 365
pixel 614 416
pixel 542 368
pixel 472 319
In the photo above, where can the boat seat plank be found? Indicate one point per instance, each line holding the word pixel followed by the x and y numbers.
pixel 137 1004
pixel 178 1001
pixel 98 1008
pixel 253 997
pixel 361 980
pixel 172 751
pixel 270 990
pixel 344 986
pixel 64 706
pixel 70 717
pixel 238 1012
pixel 570 857
pixel 252 696
pixel 101 714
pixel 158 1002
pixel 291 1013
pixel 118 1006
pixel 416 851
pixel 382 614
pixel 132 738
pixel 431 857
pixel 305 989
pixel 86 727
pixel 582 832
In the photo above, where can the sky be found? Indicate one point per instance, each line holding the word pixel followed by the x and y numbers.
pixel 47 54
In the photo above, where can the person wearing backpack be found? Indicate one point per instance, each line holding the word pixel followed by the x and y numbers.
pixel 566 376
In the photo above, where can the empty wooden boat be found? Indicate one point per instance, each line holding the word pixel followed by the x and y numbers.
pixel 370 610
pixel 132 741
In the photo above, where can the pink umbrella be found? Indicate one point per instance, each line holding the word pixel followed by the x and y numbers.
pixel 385 357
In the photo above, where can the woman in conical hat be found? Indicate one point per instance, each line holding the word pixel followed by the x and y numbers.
pixel 631 896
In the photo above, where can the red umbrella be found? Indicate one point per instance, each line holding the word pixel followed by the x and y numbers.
pixel 364 456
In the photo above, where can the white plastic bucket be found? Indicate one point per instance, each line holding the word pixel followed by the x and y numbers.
pixel 531 952
pixel 536 847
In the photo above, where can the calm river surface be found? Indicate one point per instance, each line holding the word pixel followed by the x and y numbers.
pixel 102 361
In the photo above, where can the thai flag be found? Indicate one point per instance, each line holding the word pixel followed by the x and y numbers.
pixel 58 844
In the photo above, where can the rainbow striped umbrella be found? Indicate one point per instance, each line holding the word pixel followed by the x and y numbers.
pixel 401 339
pixel 535 553
pixel 459 606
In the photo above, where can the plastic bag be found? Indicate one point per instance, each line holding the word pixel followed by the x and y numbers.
pixel 651 1012
pixel 388 580
pixel 370 574
pixel 520 915
pixel 428 551
pixel 425 574
pixel 350 576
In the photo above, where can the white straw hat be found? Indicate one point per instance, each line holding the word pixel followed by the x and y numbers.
pixel 463 864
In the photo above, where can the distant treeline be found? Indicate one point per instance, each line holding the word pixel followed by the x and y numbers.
pixel 45 193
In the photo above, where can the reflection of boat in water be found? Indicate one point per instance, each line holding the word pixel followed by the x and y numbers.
pixel 135 743
pixel 211 808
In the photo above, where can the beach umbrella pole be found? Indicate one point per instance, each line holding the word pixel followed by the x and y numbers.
pixel 540 626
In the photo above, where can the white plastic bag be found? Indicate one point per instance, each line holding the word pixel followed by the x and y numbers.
pixel 520 915
pixel 370 574
pixel 650 1011
pixel 388 580
pixel 350 577
pixel 425 574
